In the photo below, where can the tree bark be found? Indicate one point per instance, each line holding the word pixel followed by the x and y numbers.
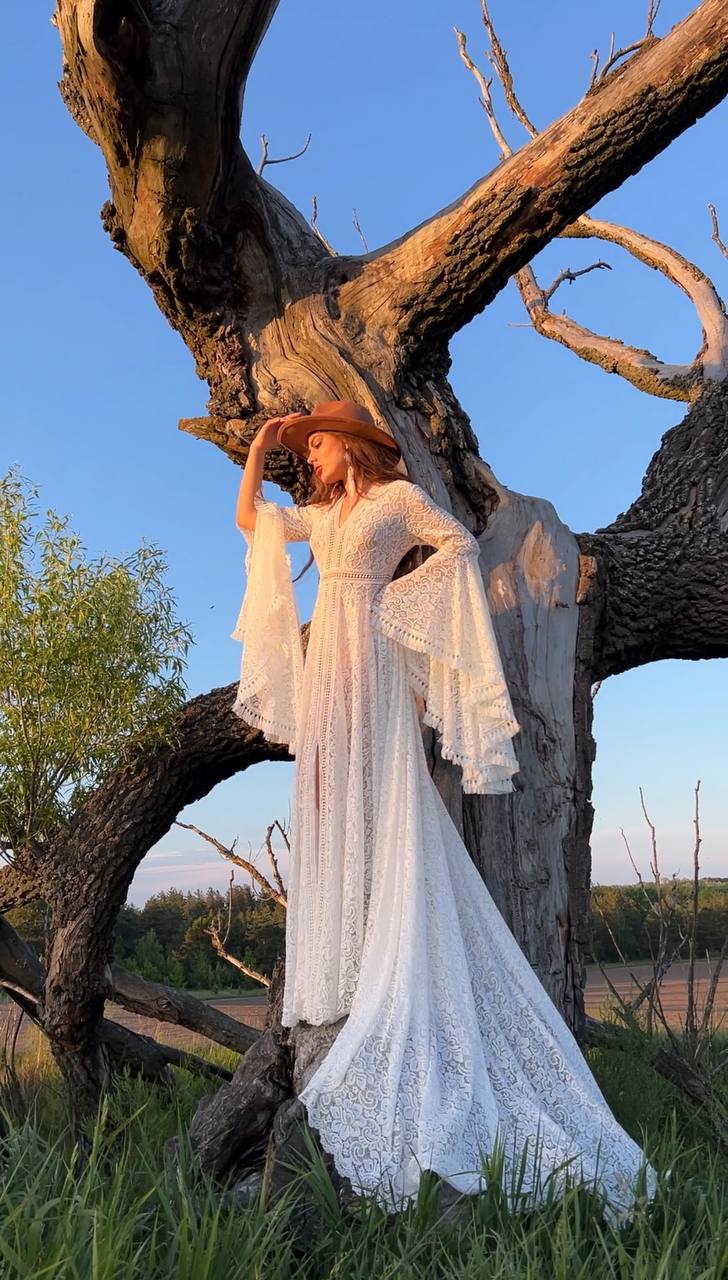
pixel 155 1000
pixel 277 323
pixel 665 559
pixel 18 887
pixel 124 819
pixel 22 976
pixel 442 274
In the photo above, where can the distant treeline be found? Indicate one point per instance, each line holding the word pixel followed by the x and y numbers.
pixel 166 940
pixel 628 910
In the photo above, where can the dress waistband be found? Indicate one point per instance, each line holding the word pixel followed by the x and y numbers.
pixel 349 575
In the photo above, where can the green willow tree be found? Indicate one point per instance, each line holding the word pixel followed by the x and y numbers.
pixel 91 676
pixel 91 667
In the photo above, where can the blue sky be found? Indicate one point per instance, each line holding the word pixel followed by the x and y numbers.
pixel 94 380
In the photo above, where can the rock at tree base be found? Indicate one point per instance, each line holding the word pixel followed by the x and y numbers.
pixel 229 1131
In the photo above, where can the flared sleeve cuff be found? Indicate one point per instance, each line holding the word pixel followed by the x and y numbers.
pixel 439 614
pixel 271 670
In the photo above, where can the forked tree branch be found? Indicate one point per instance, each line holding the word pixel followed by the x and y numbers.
pixel 216 242
pixel 445 271
pixel 499 61
pixel 265 159
pixel 276 894
pixel 486 100
pixel 716 230
pixel 22 977
pixel 220 941
pixel 638 366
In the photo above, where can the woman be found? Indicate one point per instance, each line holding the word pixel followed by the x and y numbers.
pixel 451 1045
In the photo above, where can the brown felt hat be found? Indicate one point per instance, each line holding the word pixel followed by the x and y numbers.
pixel 334 415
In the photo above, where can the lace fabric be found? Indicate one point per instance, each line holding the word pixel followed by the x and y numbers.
pixel 450 1043
pixel 440 614
pixel 271 671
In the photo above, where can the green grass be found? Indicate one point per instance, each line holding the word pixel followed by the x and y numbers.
pixel 127 1212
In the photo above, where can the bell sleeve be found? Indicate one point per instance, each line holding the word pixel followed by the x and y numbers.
pixel 439 614
pixel 271 670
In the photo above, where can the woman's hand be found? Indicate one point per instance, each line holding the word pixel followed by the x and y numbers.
pixel 264 439
pixel 267 436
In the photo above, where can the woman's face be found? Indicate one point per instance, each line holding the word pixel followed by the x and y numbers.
pixel 326 456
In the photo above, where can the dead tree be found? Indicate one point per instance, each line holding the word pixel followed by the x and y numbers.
pixel 276 321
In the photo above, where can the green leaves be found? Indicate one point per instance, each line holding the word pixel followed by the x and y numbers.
pixel 92 659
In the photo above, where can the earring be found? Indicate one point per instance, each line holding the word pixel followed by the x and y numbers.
pixel 349 466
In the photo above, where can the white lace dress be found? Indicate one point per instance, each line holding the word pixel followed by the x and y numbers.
pixel 451 1042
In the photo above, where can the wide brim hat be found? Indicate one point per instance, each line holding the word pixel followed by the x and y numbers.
pixel 334 415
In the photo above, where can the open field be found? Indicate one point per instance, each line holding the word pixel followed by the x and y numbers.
pixel 674 989
pixel 251 1008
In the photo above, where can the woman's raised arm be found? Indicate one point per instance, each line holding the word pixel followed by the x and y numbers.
pixel 252 478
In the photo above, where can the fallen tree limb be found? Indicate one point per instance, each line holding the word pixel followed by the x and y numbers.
pixel 155 1000
pixel 22 976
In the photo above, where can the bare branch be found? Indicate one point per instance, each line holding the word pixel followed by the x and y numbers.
pixel 157 1000
pixel 316 228
pixel 486 101
pixel 638 366
pixel 229 853
pixel 691 1026
pixel 713 986
pixel 226 955
pixel 265 159
pixel 653 8
pixel 646 371
pixel 571 276
pixel 446 270
pixel 499 61
pixel 716 231
pixel 613 58
pixel 357 226
pixel 274 861
pixel 22 976
pixel 229 924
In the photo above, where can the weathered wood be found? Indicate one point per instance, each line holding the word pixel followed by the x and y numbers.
pixel 437 277
pixel 17 887
pixel 22 977
pixel 665 560
pixel 155 1000
pixel 531 566
pixel 647 373
pixel 129 813
pixel 230 1129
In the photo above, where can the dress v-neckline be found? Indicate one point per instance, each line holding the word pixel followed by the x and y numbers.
pixel 338 525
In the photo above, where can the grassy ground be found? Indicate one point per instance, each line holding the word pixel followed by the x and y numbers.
pixel 127 1213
